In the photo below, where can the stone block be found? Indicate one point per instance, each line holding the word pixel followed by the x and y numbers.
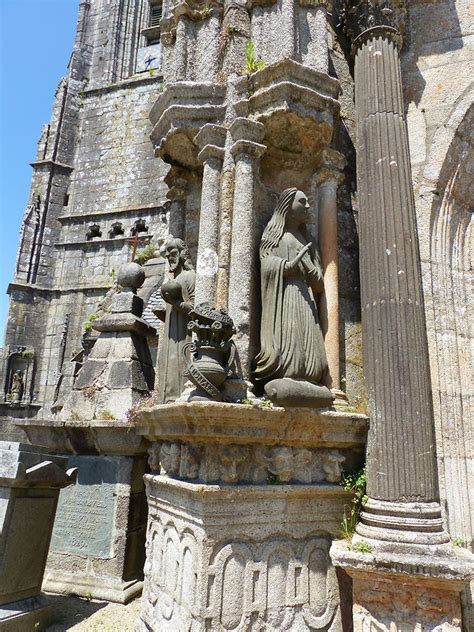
pixel 30 480
pixel 98 539
pixel 212 568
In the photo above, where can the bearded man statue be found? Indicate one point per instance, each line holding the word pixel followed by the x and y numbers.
pixel 178 293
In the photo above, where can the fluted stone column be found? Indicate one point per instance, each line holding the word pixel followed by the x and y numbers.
pixel 243 287
pixel 405 571
pixel 211 140
pixel 326 182
pixel 401 466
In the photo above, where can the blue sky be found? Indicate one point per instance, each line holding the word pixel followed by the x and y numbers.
pixel 36 38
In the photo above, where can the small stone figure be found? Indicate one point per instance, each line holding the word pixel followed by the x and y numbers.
pixel 210 357
pixel 16 390
pixel 178 292
pixel 292 359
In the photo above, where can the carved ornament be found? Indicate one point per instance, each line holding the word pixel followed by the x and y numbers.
pixel 259 465
pixel 369 18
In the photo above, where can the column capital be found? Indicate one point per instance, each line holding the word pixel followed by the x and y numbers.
pixel 210 134
pixel 245 129
pixel 330 166
pixel 247 148
pixel 177 180
pixel 362 19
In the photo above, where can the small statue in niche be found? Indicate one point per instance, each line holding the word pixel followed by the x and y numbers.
pixel 292 360
pixel 178 293
pixel 16 390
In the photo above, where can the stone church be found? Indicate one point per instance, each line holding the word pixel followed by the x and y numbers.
pixel 242 290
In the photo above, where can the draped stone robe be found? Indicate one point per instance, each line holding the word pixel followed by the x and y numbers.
pixel 171 363
pixel 292 344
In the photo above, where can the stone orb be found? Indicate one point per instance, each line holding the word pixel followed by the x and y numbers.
pixel 131 275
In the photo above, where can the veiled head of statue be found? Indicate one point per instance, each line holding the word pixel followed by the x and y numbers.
pixel 293 204
pixel 177 254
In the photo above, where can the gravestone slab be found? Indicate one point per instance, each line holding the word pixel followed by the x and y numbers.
pixel 85 516
pixel 97 547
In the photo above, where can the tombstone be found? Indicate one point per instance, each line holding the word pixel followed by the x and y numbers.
pixel 30 482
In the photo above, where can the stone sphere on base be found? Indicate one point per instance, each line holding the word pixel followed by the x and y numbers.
pixel 131 275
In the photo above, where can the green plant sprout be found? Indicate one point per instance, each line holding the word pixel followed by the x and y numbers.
pixel 253 62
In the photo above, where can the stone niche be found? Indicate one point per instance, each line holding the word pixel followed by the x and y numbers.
pixel 18 376
pixel 243 505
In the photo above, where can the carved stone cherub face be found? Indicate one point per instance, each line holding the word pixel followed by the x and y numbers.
pixel 231 457
pixel 169 458
pixel 281 463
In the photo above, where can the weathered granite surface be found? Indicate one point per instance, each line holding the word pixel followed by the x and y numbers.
pixel 30 482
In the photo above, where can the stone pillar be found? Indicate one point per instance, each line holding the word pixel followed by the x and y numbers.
pixel 180 53
pixel 400 538
pixel 177 180
pixel 327 180
pixel 30 481
pixel 243 286
pixel 211 140
pixel 287 34
pixel 402 458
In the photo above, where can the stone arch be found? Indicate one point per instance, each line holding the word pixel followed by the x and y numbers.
pixel 448 179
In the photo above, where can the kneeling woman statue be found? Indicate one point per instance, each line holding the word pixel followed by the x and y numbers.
pixel 292 360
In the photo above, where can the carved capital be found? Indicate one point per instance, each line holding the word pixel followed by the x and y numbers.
pixel 245 129
pixel 364 19
pixel 331 164
pixel 243 148
pixel 211 140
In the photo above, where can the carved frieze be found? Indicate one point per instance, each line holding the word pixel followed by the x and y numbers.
pixel 259 465
pixel 361 20
pixel 282 583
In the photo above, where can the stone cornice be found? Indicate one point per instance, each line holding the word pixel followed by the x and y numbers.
pixel 364 19
pixel 93 215
pixel 38 289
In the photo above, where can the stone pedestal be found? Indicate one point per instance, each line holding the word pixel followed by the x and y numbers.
pixel 30 481
pixel 394 591
pixel 243 505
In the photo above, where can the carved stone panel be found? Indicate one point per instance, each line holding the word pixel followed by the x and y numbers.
pixel 243 463
pixel 226 558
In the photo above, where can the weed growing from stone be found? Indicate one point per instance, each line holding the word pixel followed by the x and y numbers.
pixel 457 542
pixel 361 547
pixel 253 62
pixel 105 415
pixel 152 399
pixel 144 255
pixel 354 482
